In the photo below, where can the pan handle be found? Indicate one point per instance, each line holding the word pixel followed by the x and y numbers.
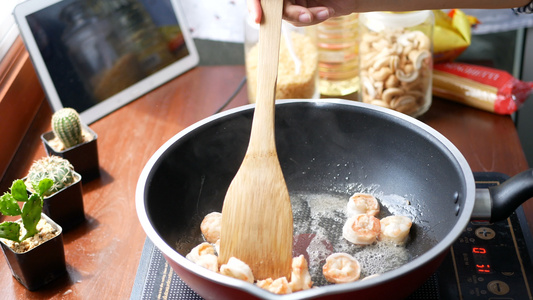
pixel 509 195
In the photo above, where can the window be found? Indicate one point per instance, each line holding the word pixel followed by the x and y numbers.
pixel 8 28
pixel 19 86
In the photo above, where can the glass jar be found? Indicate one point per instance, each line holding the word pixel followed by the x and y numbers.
pixel 338 56
pixel 396 55
pixel 298 62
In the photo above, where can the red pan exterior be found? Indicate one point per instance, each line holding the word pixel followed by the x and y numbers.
pixel 399 288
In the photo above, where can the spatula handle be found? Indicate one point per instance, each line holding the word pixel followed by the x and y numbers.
pixel 262 137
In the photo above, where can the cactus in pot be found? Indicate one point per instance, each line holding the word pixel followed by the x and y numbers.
pixel 67 127
pixel 54 167
pixel 74 141
pixel 63 202
pixel 33 244
pixel 30 212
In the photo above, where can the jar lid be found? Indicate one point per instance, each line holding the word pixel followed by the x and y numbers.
pixel 379 21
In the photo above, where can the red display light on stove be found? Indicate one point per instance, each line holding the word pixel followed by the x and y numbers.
pixel 481 260
pixel 479 250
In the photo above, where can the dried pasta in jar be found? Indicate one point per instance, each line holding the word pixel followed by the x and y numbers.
pixel 298 63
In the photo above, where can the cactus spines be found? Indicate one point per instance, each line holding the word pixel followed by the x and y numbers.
pixel 53 167
pixel 66 126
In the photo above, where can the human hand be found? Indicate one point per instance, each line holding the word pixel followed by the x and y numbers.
pixel 305 12
pixel 310 12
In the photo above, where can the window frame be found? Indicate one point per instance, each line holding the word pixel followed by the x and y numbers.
pixel 21 96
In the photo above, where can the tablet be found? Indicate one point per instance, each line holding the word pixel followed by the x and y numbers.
pixel 98 55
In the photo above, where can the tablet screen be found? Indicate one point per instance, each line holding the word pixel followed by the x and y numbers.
pixel 97 55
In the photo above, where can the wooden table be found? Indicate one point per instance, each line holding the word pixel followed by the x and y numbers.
pixel 103 254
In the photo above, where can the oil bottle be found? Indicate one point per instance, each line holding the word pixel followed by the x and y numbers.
pixel 338 59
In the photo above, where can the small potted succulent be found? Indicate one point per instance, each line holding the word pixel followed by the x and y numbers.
pixel 63 202
pixel 34 251
pixel 73 141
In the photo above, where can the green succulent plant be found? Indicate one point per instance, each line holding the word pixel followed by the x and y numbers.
pixel 53 167
pixel 30 212
pixel 66 126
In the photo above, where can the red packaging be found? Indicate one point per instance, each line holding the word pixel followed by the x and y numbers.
pixel 481 87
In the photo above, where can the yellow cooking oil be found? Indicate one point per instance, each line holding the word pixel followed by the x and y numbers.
pixel 338 58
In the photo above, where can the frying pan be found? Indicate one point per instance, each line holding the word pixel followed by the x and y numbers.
pixel 325 147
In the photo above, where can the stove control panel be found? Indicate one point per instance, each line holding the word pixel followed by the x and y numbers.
pixel 488 261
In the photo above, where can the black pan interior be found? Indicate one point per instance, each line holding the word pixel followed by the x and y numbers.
pixel 322 148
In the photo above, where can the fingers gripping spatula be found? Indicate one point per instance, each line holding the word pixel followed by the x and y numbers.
pixel 257 223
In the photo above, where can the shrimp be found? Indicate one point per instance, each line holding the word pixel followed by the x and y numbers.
pixel 210 226
pixel 208 261
pixel 279 286
pixel 395 229
pixel 300 277
pixel 200 250
pixel 341 268
pixel 361 229
pixel 237 269
pixel 360 203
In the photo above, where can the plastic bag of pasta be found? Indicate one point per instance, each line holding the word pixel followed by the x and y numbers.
pixel 452 34
pixel 481 87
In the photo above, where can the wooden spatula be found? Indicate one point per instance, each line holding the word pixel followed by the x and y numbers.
pixel 257 223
